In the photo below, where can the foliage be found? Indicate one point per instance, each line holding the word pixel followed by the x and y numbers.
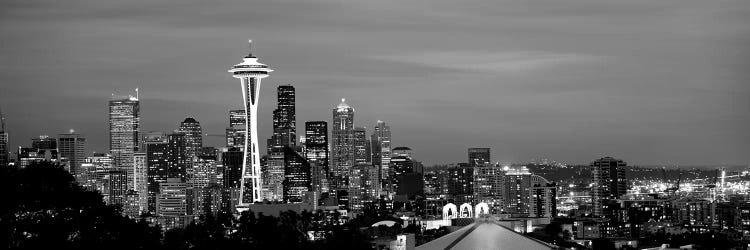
pixel 47 209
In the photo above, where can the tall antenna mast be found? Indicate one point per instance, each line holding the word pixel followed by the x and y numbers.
pixel 249 48
pixel 136 93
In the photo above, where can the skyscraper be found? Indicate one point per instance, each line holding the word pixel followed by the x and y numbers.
pixel 406 174
pixel 400 166
pixel 342 145
pixel 72 148
pixel 193 136
pixel 232 178
pixel 177 158
pixel 362 145
pixel 479 156
pixel 235 133
pixel 284 134
pixel 297 181
pixel 608 177
pixel 157 163
pixel 124 132
pixel 140 169
pixel 4 153
pixel 250 72
pixel 358 173
pixel 316 152
pixel 381 148
pixel 284 117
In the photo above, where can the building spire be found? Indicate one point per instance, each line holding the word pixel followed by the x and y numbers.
pixel 249 48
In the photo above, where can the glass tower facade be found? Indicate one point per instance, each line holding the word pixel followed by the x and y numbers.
pixel 72 147
pixel 316 152
pixel 342 145
pixel 124 132
pixel 193 136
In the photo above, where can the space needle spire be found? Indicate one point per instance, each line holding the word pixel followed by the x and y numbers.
pixel 250 72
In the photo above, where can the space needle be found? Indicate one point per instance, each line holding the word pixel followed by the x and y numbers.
pixel 250 72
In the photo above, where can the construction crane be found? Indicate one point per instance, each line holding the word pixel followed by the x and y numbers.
pixel 676 187
pixel 716 177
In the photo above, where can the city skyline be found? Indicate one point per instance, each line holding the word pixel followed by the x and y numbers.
pixel 528 98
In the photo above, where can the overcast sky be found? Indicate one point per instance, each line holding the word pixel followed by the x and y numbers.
pixel 648 81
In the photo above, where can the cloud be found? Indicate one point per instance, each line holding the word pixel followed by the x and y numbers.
pixel 502 62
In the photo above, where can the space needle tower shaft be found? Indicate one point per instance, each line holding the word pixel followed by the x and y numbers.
pixel 250 72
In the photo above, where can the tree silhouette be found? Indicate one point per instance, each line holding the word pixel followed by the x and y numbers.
pixel 46 208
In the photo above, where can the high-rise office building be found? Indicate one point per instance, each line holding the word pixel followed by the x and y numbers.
pixel 172 202
pixel 232 178
pixel 358 173
pixel 406 174
pixel 193 136
pixel 156 145
pixel 342 145
pixel 250 72
pixel 284 117
pixel 297 181
pixel 235 133
pixel 72 149
pixel 4 153
pixel 118 186
pixel 284 134
pixel 608 177
pixel 479 156
pixel 202 173
pixel 177 158
pixel 355 187
pixel 316 152
pixel 131 206
pixel 381 149
pixel 140 169
pixel 124 132
pixel 361 147
pixel 370 181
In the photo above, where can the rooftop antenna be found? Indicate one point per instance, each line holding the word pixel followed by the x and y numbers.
pixel 249 47
pixel 136 93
